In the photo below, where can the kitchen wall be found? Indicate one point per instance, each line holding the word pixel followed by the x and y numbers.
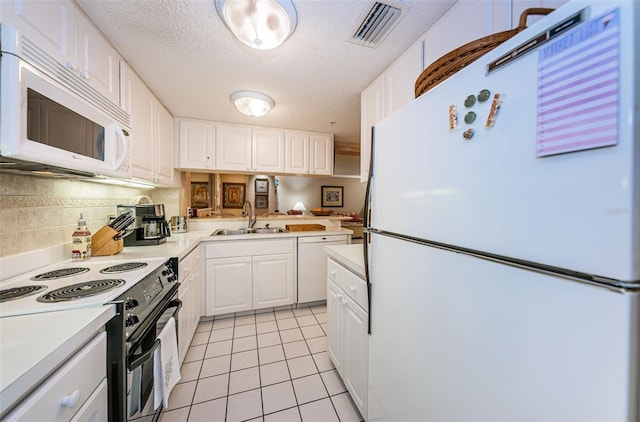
pixel 38 212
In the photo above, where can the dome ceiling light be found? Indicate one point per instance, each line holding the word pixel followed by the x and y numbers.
pixel 261 24
pixel 251 103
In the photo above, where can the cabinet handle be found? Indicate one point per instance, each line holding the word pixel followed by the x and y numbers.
pixel 339 295
pixel 344 300
pixel 71 400
pixel 333 273
pixel 84 75
pixel 353 289
pixel 71 65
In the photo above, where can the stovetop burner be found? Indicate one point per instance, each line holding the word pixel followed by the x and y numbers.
pixel 121 268
pixel 60 273
pixel 20 292
pixel 80 290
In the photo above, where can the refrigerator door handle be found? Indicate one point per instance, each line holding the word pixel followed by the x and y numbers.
pixel 367 229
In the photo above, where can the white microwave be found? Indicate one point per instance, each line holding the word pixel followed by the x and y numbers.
pixel 53 121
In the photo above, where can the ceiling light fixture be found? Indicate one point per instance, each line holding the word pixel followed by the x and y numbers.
pixel 261 24
pixel 251 103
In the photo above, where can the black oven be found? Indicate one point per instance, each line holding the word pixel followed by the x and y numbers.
pixel 132 341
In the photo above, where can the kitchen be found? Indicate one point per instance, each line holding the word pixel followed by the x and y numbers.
pixel 76 195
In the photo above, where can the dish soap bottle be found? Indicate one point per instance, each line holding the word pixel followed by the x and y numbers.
pixel 81 241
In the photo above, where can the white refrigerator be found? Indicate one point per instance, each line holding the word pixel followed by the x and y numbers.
pixel 503 252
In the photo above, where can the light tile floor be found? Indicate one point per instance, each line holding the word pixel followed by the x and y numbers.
pixel 270 366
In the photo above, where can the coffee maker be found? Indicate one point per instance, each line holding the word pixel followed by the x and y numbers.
pixel 150 226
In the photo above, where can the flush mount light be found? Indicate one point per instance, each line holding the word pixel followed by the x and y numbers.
pixel 251 103
pixel 261 24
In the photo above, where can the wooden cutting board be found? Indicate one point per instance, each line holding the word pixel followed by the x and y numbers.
pixel 304 227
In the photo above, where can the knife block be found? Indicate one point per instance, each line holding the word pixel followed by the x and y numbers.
pixel 103 244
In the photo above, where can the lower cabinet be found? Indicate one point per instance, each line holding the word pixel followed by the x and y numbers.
pixel 77 391
pixel 347 337
pixel 189 294
pixel 250 274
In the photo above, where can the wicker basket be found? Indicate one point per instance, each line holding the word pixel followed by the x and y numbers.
pixel 457 59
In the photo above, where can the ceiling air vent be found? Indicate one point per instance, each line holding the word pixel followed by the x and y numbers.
pixel 376 22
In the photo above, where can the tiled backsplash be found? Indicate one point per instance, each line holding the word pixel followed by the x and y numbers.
pixel 38 212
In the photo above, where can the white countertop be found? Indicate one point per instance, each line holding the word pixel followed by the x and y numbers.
pixel 33 346
pixel 351 256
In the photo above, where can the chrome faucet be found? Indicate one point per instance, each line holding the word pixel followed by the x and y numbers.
pixel 247 211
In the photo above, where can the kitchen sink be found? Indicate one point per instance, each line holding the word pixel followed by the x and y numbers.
pixel 231 232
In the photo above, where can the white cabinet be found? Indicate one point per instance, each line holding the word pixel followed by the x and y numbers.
pixel 347 325
pixel 479 18
pixel 296 152
pixel 267 150
pixel 273 280
pixel 228 285
pixel 371 112
pixel 233 148
pixel 60 30
pixel 152 131
pixel 320 154
pixel 189 294
pixel 308 153
pixel 197 144
pixel 77 388
pixel 250 274
pixel 400 78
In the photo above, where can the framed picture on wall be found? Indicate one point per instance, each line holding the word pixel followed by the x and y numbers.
pixel 262 186
pixel 200 195
pixel 262 201
pixel 332 196
pixel 233 195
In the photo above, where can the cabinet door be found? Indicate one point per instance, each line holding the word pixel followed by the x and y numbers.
pixel 334 324
pixel 196 144
pixel 400 78
pixel 267 150
pixel 143 127
pixel 355 352
pixel 97 60
pixel 48 24
pixel 321 156
pixel 184 338
pixel 371 112
pixel 296 152
pixel 194 315
pixel 233 148
pixel 228 285
pixel 273 281
pixel 165 173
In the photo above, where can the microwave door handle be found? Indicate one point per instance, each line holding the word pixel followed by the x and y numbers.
pixel 124 146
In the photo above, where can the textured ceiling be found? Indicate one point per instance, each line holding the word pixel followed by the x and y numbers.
pixel 191 61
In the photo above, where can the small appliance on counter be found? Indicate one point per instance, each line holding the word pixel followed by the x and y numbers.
pixel 149 227
pixel 179 224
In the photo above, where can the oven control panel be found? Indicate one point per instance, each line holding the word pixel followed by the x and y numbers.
pixel 146 295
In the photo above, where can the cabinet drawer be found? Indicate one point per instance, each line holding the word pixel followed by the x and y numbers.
pixel 249 248
pixel 73 382
pixel 354 287
pixel 188 264
pixel 334 270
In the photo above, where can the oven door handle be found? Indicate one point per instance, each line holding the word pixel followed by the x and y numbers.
pixel 174 303
pixel 145 356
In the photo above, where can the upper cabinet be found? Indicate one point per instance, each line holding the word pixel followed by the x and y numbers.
pixel 308 153
pixel 267 150
pixel 152 132
pixel 320 154
pixel 206 145
pixel 197 144
pixel 233 148
pixel 60 30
